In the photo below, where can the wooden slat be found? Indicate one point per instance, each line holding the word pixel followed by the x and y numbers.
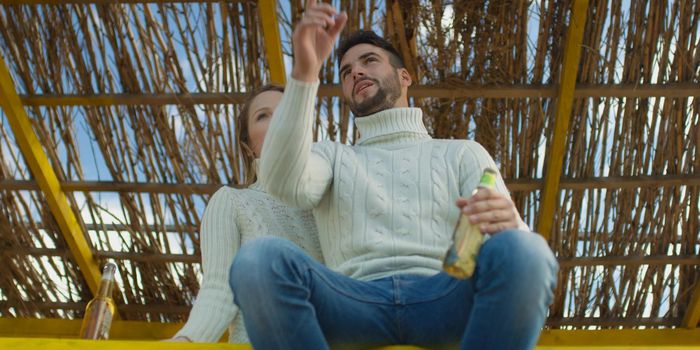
pixel 46 179
pixel 109 186
pixel 151 257
pixel 630 260
pixel 673 90
pixel 273 43
pixel 626 260
pixel 124 227
pixel 77 306
pixel 131 256
pixel 562 112
pixel 134 100
pixel 611 182
pixel 613 322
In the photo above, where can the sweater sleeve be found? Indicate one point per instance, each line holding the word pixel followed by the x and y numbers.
pixel 473 162
pixel 289 170
pixel 213 309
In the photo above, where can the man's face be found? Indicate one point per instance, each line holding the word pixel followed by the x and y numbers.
pixel 370 83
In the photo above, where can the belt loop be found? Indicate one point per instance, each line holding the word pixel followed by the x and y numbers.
pixel 396 279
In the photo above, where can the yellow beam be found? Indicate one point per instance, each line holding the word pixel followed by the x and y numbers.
pixel 75 344
pixel 692 314
pixel 549 339
pixel 46 178
pixel 59 328
pixel 273 43
pixel 565 99
pixel 646 338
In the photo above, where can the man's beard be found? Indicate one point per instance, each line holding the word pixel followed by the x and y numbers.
pixel 388 91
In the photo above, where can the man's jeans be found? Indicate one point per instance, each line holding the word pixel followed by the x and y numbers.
pixel 291 301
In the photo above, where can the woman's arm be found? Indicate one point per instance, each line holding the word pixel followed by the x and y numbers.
pixel 213 309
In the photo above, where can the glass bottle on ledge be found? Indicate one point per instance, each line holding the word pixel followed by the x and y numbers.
pixel 100 310
pixel 467 239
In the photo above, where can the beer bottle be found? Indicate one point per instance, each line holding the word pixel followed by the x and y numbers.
pixel 100 310
pixel 460 260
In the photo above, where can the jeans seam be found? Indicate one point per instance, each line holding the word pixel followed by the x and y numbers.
pixel 450 288
pixel 349 295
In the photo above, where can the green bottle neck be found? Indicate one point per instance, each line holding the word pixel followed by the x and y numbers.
pixel 107 281
pixel 106 288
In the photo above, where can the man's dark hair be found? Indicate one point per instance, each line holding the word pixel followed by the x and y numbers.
pixel 370 37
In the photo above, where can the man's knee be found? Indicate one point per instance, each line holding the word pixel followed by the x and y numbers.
pixel 524 254
pixel 252 261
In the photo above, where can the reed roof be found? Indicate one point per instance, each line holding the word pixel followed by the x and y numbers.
pixel 135 103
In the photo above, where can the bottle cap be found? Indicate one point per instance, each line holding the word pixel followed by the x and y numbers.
pixel 109 270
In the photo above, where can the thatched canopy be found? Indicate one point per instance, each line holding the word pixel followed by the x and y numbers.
pixel 134 104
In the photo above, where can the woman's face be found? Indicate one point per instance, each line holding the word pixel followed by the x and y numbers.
pixel 261 109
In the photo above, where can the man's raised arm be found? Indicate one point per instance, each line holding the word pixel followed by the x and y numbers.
pixel 288 168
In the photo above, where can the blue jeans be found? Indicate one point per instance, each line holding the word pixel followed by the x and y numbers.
pixel 291 301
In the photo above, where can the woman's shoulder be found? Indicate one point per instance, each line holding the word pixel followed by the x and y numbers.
pixel 227 196
pixel 224 192
pixel 227 191
pixel 242 196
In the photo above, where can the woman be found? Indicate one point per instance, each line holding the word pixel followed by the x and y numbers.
pixel 233 217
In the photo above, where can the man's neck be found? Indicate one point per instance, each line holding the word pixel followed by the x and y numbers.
pixel 391 122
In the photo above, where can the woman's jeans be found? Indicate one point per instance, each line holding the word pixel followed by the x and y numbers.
pixel 291 301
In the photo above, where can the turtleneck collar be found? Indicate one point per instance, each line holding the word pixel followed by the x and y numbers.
pixel 391 124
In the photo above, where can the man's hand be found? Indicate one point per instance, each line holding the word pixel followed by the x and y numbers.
pixel 491 210
pixel 314 37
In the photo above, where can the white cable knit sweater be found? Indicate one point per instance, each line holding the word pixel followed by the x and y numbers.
pixel 383 206
pixel 231 218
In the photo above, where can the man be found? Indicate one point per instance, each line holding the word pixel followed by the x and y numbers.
pixel 385 217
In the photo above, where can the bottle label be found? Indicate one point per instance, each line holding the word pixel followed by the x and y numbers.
pixel 460 259
pixel 106 324
pixel 98 321
pixel 488 180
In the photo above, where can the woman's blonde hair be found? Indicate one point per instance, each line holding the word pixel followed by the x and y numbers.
pixel 244 136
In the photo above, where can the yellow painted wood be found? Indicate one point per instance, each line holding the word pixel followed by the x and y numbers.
pixel 45 176
pixel 588 347
pixel 692 314
pixel 550 339
pixel 565 99
pixel 619 337
pixel 273 43
pixel 59 328
pixel 72 344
